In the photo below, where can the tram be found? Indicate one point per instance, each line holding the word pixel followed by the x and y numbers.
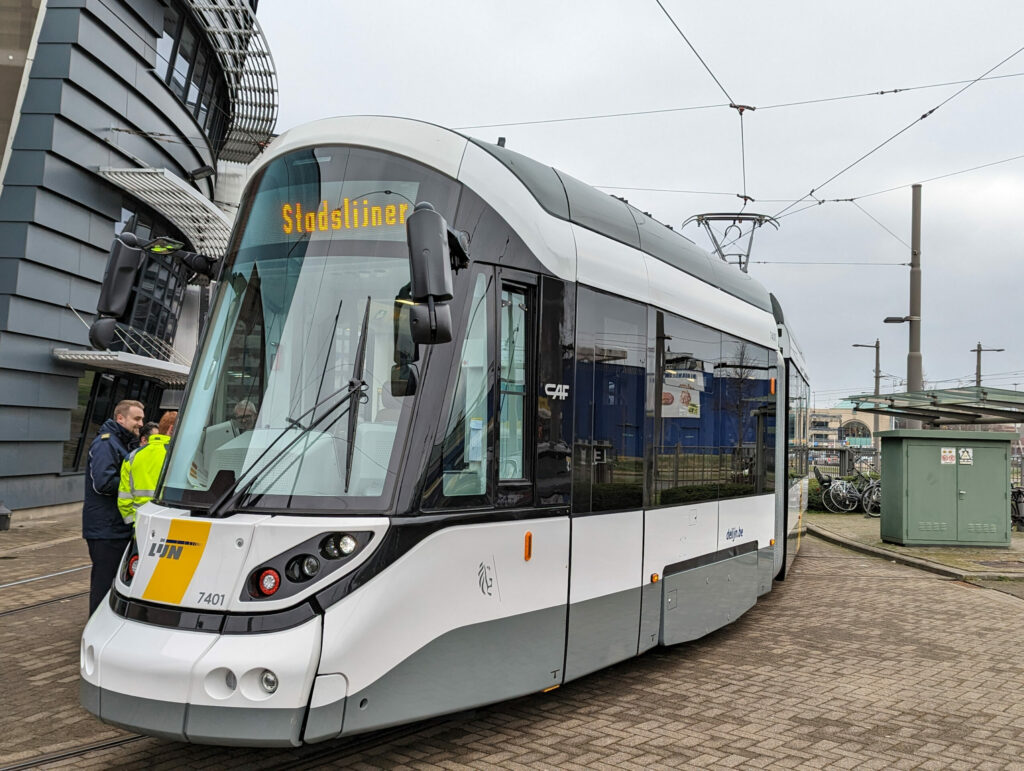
pixel 461 428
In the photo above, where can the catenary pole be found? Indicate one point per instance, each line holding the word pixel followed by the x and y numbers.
pixel 914 366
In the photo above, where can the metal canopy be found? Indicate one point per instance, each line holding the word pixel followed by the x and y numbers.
pixel 236 36
pixel 202 222
pixel 973 405
pixel 166 372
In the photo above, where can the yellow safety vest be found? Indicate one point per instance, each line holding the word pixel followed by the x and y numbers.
pixel 139 474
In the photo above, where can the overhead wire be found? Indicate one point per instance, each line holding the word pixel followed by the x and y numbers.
pixel 800 103
pixel 732 102
pixel 902 131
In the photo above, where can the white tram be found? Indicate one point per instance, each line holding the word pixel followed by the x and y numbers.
pixel 433 457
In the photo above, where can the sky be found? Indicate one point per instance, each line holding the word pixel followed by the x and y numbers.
pixel 471 64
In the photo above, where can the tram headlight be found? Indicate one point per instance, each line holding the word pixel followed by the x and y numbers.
pixel 347 544
pixel 338 545
pixel 133 564
pixel 268 681
pixel 310 566
pixel 302 568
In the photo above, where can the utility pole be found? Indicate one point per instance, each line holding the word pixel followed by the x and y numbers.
pixel 878 378
pixel 977 369
pixel 914 367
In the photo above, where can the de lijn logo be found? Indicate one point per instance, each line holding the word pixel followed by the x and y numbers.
pixel 733 533
pixel 169 549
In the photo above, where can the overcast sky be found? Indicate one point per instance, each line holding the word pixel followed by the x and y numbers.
pixel 464 64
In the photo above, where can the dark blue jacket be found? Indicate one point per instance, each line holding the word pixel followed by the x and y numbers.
pixel 100 517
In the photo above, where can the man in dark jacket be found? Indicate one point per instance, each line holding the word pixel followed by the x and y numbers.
pixel 106 533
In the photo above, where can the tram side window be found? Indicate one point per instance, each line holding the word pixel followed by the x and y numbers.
pixel 611 350
pixel 511 411
pixel 685 426
pixel 464 467
pixel 746 419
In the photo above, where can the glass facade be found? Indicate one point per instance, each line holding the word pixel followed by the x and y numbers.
pixel 191 69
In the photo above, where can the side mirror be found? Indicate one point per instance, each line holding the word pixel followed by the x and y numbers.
pixel 430 269
pixel 119 278
pixel 116 290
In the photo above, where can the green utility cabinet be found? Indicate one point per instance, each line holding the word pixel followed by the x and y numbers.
pixel 945 488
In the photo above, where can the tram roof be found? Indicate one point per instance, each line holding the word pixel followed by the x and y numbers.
pixel 566 197
pixel 560 194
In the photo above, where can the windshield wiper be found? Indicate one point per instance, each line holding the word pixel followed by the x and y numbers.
pixel 353 412
pixel 237 491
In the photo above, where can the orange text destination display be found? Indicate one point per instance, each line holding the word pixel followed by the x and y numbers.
pixel 351 215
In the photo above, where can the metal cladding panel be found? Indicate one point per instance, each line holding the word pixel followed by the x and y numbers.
pixel 741 520
pixel 422 142
pixel 692 298
pixel 700 600
pixel 677 533
pixel 37 425
pixel 455 578
pixel 611 266
pixel 25 458
pixel 549 238
pixel 607 551
pixel 602 631
pixel 465 668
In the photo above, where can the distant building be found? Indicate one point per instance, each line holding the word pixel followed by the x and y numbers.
pixel 114 115
pixel 844 427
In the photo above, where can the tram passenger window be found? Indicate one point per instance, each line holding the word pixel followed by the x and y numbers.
pixel 466 441
pixel 611 350
pixel 686 446
pixel 746 419
pixel 511 412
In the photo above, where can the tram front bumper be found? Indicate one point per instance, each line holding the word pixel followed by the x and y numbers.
pixel 199 687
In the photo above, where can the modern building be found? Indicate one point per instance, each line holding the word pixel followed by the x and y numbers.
pixel 115 115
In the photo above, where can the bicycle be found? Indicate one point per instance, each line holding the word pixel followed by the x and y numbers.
pixel 870 494
pixel 1017 509
pixel 837 495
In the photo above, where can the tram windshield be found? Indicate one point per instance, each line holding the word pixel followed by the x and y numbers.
pixel 313 305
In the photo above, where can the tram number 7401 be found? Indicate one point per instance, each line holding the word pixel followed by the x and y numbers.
pixel 208 598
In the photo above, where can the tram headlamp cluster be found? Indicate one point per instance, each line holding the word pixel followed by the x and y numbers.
pixel 315 558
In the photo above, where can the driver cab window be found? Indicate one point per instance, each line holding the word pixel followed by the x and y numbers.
pixel 464 468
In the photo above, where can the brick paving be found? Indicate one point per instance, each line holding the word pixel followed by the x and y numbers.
pixel 852 662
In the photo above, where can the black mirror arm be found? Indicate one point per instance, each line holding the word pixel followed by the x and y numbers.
pixel 458 248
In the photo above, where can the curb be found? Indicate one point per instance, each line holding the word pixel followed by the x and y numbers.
pixel 903 559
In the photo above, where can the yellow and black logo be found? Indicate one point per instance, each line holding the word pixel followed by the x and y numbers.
pixel 178 556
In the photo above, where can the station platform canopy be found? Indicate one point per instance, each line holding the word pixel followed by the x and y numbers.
pixel 973 405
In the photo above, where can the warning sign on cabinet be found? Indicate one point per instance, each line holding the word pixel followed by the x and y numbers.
pixel 948 456
pixel 966 456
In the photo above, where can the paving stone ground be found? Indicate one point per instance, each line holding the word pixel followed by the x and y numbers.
pixel 852 662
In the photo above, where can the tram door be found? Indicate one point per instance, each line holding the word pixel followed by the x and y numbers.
pixel 608 482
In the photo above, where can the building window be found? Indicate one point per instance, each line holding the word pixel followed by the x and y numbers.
pixel 101 393
pixel 191 68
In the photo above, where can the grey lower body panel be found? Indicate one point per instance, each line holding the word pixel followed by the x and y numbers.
pixel 766 569
pixel 462 669
pixel 192 723
pixel 702 599
pixel 602 631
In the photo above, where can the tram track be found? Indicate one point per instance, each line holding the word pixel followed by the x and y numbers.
pixel 42 603
pixel 72 752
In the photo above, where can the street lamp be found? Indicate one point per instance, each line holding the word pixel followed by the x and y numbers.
pixel 878 376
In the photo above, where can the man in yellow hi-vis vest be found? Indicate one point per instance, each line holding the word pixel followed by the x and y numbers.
pixel 141 470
